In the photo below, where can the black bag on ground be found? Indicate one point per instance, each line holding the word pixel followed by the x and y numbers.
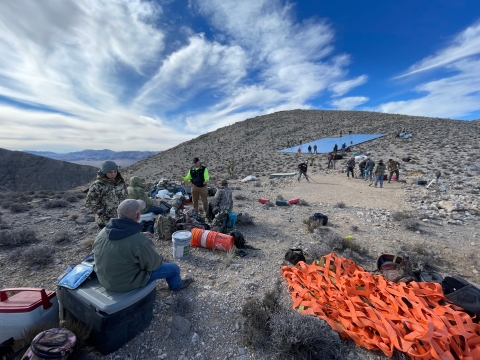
pixel 238 238
pixel 320 217
pixel 460 292
pixel 293 256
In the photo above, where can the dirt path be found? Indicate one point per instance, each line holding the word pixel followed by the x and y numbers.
pixel 354 192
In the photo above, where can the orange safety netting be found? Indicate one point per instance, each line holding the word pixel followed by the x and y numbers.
pixel 379 314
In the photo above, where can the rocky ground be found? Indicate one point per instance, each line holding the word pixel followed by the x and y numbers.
pixel 205 321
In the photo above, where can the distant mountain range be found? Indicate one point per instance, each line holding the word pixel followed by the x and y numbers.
pixel 96 155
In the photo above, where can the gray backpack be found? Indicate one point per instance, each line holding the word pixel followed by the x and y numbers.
pixel 164 227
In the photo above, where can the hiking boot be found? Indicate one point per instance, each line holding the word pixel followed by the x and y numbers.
pixel 186 283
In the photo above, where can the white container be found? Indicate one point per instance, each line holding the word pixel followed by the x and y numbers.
pixel 172 212
pixel 181 244
pixel 147 217
pixel 29 306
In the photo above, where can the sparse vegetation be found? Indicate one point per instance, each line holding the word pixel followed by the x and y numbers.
pixel 17 237
pixel 303 203
pixel 354 228
pixel 239 197
pixel 36 255
pixel 74 217
pixel 411 224
pixel 227 259
pixel 269 204
pixel 61 237
pixel 18 208
pixel 71 198
pixel 52 204
pixel 340 205
pixel 272 326
pixel 81 195
pixel 244 219
pixel 401 215
pixel 280 197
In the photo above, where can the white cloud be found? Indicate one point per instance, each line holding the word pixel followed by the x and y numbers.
pixel 104 68
pixel 349 103
pixel 340 88
pixel 465 45
pixel 452 96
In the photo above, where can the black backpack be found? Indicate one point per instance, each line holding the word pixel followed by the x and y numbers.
pixel 293 256
pixel 239 239
pixel 320 217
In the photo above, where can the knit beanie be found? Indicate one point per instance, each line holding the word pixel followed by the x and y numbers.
pixel 107 166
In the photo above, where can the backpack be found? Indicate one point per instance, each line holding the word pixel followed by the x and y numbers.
pixel 460 292
pixel 320 217
pixel 57 343
pixel 293 256
pixel 211 191
pixel 220 223
pixel 164 227
pixel 191 220
pixel 238 239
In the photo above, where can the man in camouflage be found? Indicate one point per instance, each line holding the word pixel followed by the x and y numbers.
pixel 393 167
pixel 106 193
pixel 222 201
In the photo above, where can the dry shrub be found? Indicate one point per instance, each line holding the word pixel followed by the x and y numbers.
pixel 6 204
pixel 419 255
pixel 312 224
pixel 182 305
pixel 354 228
pixel 74 217
pixel 17 237
pixel 400 215
pixel 330 241
pixel 273 326
pixel 257 183
pixel 81 195
pixel 340 205
pixel 280 197
pixel 227 259
pixel 71 198
pixel 36 255
pixel 411 224
pixel 88 243
pixel 52 204
pixel 240 197
pixel 18 208
pixel 303 203
pixel 269 204
pixel 244 219
pixel 62 237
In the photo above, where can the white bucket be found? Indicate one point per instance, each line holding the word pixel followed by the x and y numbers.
pixel 181 244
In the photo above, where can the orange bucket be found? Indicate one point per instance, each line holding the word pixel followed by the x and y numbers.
pixel 211 240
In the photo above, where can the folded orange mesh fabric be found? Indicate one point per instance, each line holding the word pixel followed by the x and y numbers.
pixel 377 314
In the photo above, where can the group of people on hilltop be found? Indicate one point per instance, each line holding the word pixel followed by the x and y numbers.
pixel 368 170
pixel 125 257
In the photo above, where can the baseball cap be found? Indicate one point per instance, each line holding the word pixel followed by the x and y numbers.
pixel 129 208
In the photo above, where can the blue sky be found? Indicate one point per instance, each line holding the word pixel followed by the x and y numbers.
pixel 147 75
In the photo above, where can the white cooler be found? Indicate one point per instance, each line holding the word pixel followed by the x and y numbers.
pixel 29 306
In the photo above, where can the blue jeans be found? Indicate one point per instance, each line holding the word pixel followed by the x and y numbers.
pixel 379 178
pixel 171 273
pixel 367 173
pixel 155 209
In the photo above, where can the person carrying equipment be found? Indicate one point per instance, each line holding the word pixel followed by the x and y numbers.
pixel 302 169
pixel 393 167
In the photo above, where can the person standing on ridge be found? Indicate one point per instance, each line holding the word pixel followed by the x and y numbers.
pixel 369 169
pixel 302 169
pixel 379 173
pixel 106 193
pixel 310 149
pixel 315 149
pixel 393 167
pixel 301 139
pixel 199 176
pixel 350 167
pixel 330 160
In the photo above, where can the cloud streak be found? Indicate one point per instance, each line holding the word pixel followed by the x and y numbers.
pixel 464 45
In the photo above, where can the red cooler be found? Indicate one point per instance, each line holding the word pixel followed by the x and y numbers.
pixel 29 306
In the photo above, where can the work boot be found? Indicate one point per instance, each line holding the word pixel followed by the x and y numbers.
pixel 186 283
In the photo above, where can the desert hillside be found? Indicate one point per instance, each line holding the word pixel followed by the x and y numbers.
pixel 20 171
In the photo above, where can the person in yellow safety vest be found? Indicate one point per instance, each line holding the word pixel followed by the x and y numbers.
pixel 198 175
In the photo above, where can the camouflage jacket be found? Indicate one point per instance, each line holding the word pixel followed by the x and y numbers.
pixel 393 165
pixel 104 196
pixel 136 190
pixel 223 199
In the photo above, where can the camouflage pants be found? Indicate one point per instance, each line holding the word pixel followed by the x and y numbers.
pixel 203 194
